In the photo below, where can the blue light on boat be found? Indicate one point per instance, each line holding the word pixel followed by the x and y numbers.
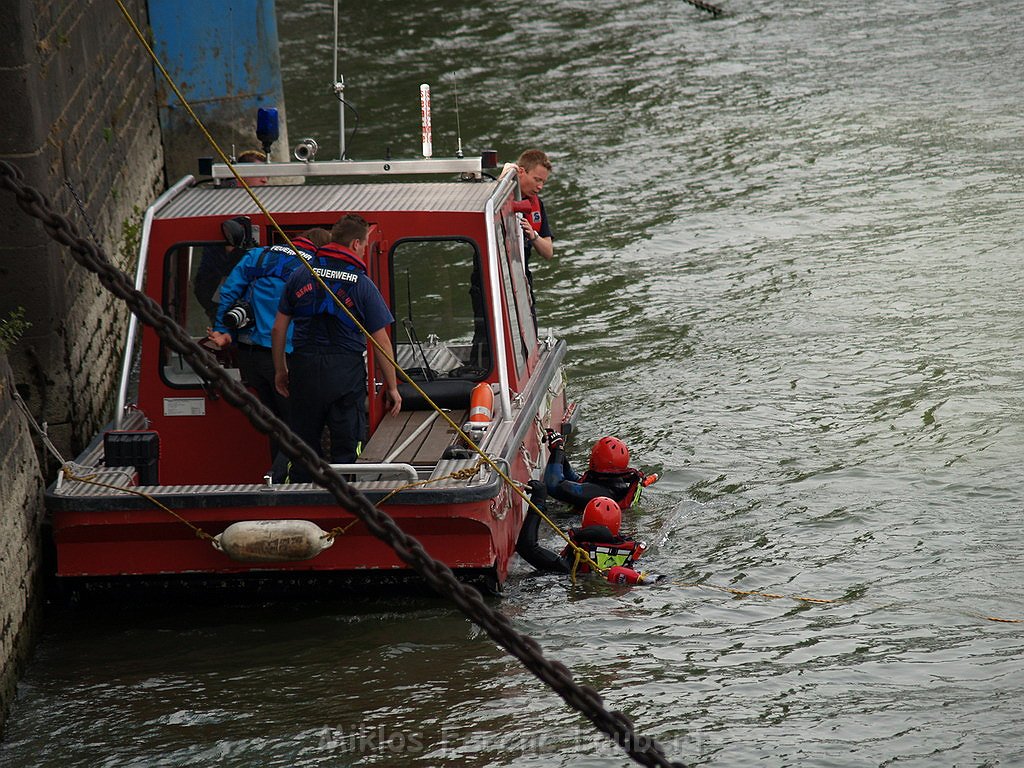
pixel 267 130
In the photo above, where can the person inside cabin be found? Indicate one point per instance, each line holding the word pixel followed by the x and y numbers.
pixel 248 307
pixel 598 536
pixel 608 474
pixel 325 376
pixel 219 259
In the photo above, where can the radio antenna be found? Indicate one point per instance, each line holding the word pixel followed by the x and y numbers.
pixel 338 86
pixel 458 127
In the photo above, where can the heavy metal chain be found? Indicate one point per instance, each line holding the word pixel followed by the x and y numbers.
pixel 583 698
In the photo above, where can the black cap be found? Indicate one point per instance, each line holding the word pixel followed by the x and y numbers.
pixel 238 232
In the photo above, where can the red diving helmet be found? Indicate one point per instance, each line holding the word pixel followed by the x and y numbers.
pixel 609 454
pixel 603 511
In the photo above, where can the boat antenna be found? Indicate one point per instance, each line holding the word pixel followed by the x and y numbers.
pixel 408 291
pixel 410 331
pixel 338 86
pixel 458 126
pixel 428 138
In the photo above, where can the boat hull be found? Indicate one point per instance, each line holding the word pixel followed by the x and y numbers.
pixel 152 542
pixel 468 523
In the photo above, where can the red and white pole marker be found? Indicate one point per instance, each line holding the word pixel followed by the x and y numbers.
pixel 428 142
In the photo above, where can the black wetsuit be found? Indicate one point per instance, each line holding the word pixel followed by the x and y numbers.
pixel 565 485
pixel 588 539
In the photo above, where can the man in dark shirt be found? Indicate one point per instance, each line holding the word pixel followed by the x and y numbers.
pixel 325 377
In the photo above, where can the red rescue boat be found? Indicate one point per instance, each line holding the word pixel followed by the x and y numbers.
pixel 178 459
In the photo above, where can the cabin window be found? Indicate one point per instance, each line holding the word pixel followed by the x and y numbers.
pixel 441 321
pixel 190 296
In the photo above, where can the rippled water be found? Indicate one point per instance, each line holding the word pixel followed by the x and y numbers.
pixel 788 268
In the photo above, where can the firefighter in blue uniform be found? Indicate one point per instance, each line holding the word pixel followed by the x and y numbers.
pixel 248 305
pixel 325 377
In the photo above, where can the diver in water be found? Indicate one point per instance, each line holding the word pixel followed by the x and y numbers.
pixel 598 536
pixel 609 474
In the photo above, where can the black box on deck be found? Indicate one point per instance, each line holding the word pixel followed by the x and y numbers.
pixel 137 448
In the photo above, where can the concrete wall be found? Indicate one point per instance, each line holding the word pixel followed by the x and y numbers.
pixel 79 108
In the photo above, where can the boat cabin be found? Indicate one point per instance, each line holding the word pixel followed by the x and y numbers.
pixel 428 254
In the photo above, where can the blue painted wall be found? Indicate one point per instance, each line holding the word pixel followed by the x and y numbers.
pixel 223 55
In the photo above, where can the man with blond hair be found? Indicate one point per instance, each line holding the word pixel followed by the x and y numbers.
pixel 534 167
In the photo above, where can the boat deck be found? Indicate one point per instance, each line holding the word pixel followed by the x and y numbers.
pixel 412 437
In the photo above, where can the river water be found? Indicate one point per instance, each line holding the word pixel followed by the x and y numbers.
pixel 788 270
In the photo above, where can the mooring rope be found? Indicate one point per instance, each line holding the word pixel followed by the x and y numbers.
pixel 458 474
pixel 804 598
pixel 755 593
pixel 582 698
pixel 70 470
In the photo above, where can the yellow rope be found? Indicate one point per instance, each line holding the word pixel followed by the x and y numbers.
pixel 755 593
pixel 199 532
pixel 458 474
pixel 575 565
pixel 340 530
pixel 803 599
pixel 458 430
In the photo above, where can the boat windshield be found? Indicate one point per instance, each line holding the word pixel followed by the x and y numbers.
pixel 441 319
pixel 441 322
pixel 191 295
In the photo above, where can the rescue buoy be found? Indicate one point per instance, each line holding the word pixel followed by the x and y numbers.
pixel 621 574
pixel 481 404
pixel 272 541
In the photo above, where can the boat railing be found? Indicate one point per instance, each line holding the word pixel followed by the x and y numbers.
pixel 408 471
pixel 140 278
pixel 495 297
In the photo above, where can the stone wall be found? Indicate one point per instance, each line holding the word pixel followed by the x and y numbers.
pixel 85 116
pixel 79 114
pixel 20 512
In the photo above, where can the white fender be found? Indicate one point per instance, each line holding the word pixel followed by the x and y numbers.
pixel 272 541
